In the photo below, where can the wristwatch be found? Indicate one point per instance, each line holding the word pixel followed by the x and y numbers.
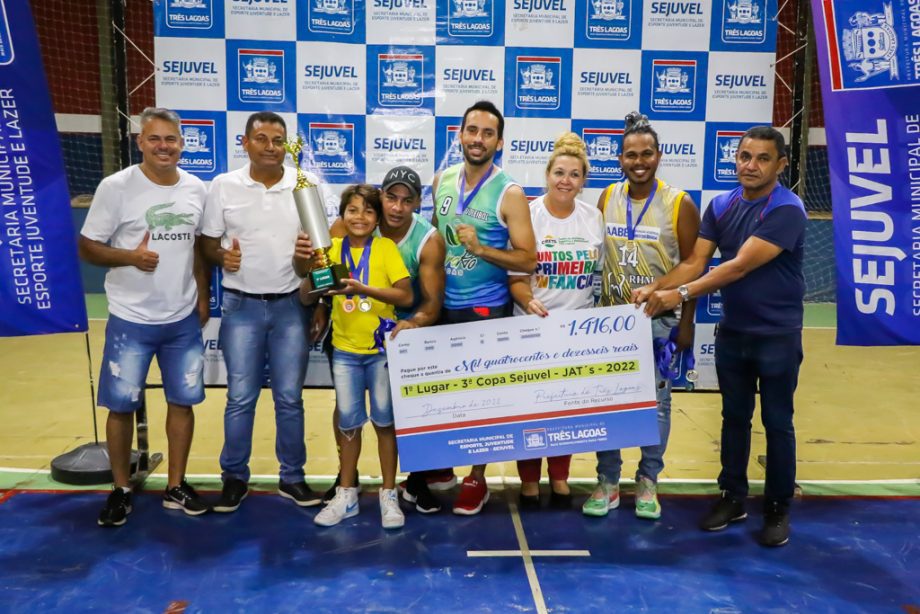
pixel 684 293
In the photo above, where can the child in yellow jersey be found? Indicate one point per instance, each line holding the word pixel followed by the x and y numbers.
pixel 362 312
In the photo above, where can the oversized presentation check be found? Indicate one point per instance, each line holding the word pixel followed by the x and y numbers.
pixel 524 387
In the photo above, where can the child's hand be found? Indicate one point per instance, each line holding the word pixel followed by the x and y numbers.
pixel 349 286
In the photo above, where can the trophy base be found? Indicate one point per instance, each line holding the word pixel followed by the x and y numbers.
pixel 326 279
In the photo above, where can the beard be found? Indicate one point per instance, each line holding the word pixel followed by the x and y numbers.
pixel 485 158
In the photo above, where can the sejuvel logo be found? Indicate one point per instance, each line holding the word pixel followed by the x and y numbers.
pixel 7 54
pixel 609 20
pixel 470 18
pixel 603 148
pixel 333 147
pixel 399 76
pixel 198 151
pixel 726 146
pixel 673 85
pixel 743 21
pixel 870 45
pixel 261 74
pixel 538 82
pixel 198 14
pixel 453 155
pixel 331 16
pixel 534 439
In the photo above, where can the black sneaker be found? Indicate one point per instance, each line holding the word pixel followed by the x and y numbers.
pixel 116 510
pixel 415 490
pixel 775 530
pixel 183 497
pixel 726 509
pixel 231 496
pixel 299 493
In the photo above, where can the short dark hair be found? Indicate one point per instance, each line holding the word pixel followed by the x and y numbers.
pixel 636 123
pixel 368 193
pixel 488 107
pixel 767 133
pixel 265 117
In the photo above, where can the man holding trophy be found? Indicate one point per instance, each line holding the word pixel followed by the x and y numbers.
pixel 249 229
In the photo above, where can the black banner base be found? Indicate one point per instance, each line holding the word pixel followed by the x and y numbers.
pixel 87 465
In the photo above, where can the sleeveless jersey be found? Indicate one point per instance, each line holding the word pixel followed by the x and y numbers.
pixel 471 281
pixel 410 248
pixel 632 264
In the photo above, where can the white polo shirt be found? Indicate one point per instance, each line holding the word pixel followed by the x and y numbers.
pixel 266 224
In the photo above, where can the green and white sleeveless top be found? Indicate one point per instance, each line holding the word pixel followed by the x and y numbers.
pixel 410 248
pixel 631 264
pixel 471 281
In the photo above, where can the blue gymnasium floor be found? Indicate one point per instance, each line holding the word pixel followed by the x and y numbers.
pixel 846 555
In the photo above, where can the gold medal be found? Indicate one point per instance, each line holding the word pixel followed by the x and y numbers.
pixel 631 246
pixel 364 305
pixel 348 305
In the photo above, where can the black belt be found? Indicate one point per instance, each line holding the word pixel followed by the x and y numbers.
pixel 271 296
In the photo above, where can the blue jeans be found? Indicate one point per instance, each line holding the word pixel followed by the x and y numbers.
pixel 352 375
pixel 129 348
pixel 610 462
pixel 253 333
pixel 743 361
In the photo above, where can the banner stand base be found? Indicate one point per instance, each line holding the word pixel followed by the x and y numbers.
pixel 89 464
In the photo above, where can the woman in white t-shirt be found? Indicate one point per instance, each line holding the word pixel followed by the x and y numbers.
pixel 570 237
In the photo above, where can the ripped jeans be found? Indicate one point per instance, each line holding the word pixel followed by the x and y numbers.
pixel 129 349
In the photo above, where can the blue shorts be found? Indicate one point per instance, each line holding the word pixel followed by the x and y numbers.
pixel 353 374
pixel 130 347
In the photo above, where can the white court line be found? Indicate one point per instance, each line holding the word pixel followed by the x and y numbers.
pixel 506 553
pixel 535 589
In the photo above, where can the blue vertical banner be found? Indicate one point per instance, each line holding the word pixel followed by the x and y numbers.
pixel 40 289
pixel 869 57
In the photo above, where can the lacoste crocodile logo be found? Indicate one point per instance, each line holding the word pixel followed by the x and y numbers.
pixel 156 217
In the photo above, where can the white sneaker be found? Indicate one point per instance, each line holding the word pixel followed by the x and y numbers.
pixel 343 505
pixel 391 517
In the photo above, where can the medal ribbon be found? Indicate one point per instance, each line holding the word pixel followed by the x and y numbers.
pixel 630 227
pixel 667 358
pixel 362 271
pixel 461 206
pixel 380 335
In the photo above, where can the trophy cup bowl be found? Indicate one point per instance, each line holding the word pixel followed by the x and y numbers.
pixel 325 275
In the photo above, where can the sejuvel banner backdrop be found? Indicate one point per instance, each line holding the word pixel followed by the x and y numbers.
pixel 869 57
pixel 375 83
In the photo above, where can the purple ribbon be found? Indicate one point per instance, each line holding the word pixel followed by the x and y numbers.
pixel 386 325
pixel 666 356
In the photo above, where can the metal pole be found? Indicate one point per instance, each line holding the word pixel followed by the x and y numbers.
pixel 120 81
pixel 798 128
pixel 92 388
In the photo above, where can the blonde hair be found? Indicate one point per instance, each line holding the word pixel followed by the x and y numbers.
pixel 570 144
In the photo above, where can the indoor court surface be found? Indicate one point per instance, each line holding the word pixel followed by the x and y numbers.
pixel 846 555
pixel 854 545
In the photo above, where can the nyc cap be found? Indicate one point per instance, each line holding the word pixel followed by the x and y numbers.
pixel 405 176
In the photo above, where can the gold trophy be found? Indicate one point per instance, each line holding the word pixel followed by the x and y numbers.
pixel 325 275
